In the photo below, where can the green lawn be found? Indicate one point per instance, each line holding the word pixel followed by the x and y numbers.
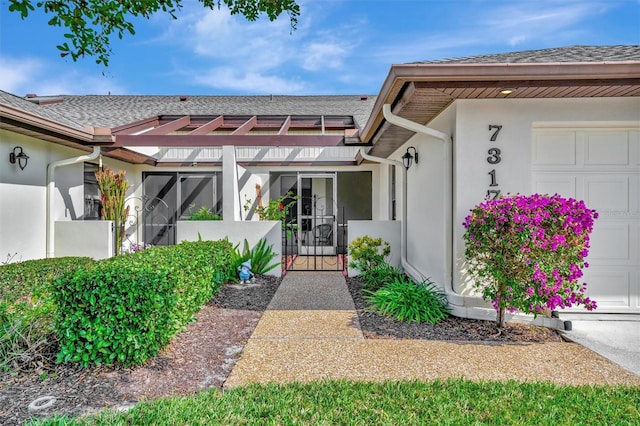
pixel 453 402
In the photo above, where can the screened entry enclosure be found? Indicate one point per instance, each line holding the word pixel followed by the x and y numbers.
pixel 172 196
pixel 320 206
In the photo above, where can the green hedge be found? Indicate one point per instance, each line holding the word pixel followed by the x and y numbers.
pixel 125 309
pixel 26 284
pixel 26 306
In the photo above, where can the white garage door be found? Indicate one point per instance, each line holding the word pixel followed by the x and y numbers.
pixel 602 167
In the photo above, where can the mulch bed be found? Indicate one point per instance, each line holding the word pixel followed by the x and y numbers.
pixel 202 356
pixel 375 326
pixel 199 358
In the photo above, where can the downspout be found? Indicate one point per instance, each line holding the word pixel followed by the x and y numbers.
pixel 462 305
pixel 454 297
pixel 50 187
pixel 403 226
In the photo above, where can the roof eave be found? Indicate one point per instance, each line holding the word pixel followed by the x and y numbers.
pixel 434 72
pixel 87 136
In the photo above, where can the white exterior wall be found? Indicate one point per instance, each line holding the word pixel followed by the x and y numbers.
pixel 90 238
pixel 428 203
pixel 23 193
pixel 22 197
pixel 513 173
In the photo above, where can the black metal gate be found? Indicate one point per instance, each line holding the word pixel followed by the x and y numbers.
pixel 315 238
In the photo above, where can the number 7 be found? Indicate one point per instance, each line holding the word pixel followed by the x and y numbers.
pixel 494 192
pixel 494 136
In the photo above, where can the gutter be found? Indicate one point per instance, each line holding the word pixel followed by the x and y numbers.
pixel 51 168
pixel 63 131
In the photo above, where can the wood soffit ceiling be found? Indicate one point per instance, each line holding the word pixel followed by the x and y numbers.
pixel 418 98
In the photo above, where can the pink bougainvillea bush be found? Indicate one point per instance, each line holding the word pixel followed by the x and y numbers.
pixel 526 253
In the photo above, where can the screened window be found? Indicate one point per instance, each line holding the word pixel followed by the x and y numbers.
pixel 92 205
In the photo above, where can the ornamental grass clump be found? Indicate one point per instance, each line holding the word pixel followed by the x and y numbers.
pixel 380 275
pixel 204 213
pixel 526 253
pixel 405 300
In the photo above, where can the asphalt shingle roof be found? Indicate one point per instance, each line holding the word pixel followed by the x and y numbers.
pixel 23 104
pixel 560 54
pixel 112 111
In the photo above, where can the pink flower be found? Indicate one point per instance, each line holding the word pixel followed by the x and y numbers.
pixel 535 243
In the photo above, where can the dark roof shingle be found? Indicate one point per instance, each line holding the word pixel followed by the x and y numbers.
pixel 559 54
pixel 116 110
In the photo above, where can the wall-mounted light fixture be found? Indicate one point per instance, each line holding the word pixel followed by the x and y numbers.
pixel 507 91
pixel 18 156
pixel 407 158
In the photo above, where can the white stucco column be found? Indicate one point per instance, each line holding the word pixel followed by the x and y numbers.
pixel 229 184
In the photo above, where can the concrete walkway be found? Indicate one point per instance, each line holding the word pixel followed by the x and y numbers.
pixel 616 337
pixel 311 332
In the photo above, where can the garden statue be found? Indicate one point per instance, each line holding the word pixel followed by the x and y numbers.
pixel 245 272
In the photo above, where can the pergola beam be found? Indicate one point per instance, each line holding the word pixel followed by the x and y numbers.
pixel 246 127
pixel 136 126
pixel 208 127
pixel 285 126
pixel 221 140
pixel 171 126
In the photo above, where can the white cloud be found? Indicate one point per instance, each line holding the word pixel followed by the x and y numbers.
pixel 515 40
pixel 318 56
pixel 22 75
pixel 234 50
pixel 248 82
pixel 17 74
pixel 221 37
pixel 539 19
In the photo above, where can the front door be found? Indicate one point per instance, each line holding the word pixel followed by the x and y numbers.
pixel 317 211
pixel 160 197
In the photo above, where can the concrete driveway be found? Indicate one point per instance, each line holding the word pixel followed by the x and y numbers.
pixel 616 337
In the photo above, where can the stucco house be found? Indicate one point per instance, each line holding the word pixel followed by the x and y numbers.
pixel 406 164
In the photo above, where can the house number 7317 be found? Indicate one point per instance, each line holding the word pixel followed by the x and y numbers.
pixel 494 158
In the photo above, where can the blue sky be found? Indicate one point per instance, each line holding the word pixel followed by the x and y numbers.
pixel 340 46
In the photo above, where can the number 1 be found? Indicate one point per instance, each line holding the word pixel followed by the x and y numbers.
pixel 492 173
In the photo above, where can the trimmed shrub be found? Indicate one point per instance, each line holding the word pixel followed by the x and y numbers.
pixel 27 310
pixel 125 309
pixel 405 300
pixel 366 253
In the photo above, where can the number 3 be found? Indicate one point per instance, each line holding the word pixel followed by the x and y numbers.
pixel 495 156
